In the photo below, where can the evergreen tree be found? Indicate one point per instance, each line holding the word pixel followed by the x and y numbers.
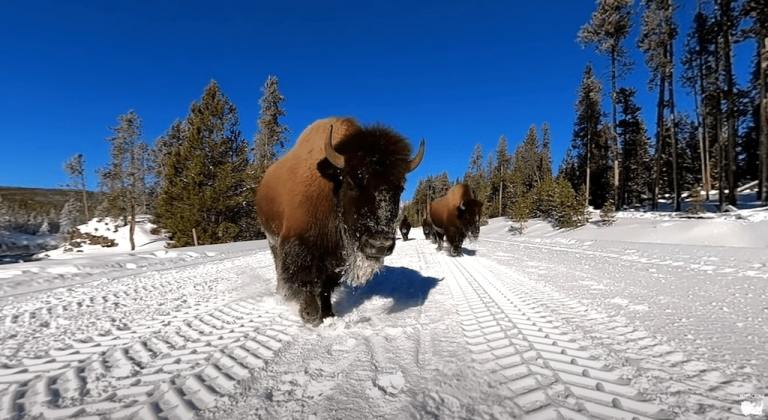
pixel 5 215
pixel 125 178
pixel 75 169
pixel 700 77
pixel 636 164
pixel 546 152
pixel 499 176
pixel 656 40
pixel 588 159
pixel 204 183
pixel 757 12
pixel 271 136
pixel 527 161
pixel 476 178
pixel 441 185
pixel 728 24
pixel 45 229
pixel 70 216
pixel 607 29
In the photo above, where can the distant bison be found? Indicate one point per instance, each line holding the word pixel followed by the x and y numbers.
pixel 455 216
pixel 405 227
pixel 329 209
pixel 426 227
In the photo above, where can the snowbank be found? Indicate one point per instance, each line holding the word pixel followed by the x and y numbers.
pixel 743 228
pixel 110 228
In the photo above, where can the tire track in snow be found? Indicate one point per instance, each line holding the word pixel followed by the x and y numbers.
pixel 693 266
pixel 550 372
pixel 168 365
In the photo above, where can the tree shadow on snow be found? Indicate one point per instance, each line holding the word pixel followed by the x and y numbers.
pixel 407 288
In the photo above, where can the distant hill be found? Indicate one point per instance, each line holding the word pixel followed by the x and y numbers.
pixel 40 200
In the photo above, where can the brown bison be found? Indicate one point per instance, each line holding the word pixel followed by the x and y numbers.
pixel 329 209
pixel 426 227
pixel 405 227
pixel 455 216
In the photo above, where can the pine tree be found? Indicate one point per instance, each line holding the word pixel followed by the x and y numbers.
pixel 271 136
pixel 527 161
pixel 441 185
pixel 656 40
pixel 636 163
pixel 204 184
pixel 70 216
pixel 500 178
pixel 587 161
pixel 728 24
pixel 700 77
pixel 608 27
pixel 75 168
pixel 5 215
pixel 476 178
pixel 45 229
pixel 546 152
pixel 124 179
pixel 757 12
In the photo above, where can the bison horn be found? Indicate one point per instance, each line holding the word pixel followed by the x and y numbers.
pixel 414 163
pixel 461 206
pixel 331 154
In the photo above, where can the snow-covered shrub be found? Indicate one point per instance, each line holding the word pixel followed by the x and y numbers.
pixel 608 213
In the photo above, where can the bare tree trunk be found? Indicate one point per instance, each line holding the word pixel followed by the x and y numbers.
pixel 672 128
pixel 659 141
pixel 615 138
pixel 85 201
pixel 763 121
pixel 589 158
pixel 132 229
pixel 698 106
pixel 719 134
pixel 703 136
pixel 730 114
pixel 501 194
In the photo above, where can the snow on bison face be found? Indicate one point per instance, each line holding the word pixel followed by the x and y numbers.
pixel 469 213
pixel 369 179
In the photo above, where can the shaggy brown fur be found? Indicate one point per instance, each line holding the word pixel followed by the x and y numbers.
pixel 455 216
pixel 324 223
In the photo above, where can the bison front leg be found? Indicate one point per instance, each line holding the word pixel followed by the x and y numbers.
pixel 439 239
pixel 455 239
pixel 300 279
pixel 332 281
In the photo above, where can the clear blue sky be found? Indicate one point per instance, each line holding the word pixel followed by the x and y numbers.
pixel 455 72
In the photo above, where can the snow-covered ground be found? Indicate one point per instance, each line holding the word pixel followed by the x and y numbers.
pixel 109 228
pixel 592 323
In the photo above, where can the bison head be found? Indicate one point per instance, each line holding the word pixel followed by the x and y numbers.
pixel 469 212
pixel 368 169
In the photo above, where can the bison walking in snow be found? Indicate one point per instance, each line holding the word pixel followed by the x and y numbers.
pixel 329 209
pixel 455 216
pixel 405 227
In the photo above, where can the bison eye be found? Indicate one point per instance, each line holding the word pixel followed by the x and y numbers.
pixel 355 185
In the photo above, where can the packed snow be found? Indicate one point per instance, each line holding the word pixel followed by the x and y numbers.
pixel 652 317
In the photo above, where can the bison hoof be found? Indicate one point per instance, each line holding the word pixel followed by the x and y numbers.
pixel 455 252
pixel 309 309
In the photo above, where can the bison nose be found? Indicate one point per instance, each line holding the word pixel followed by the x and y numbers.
pixel 379 247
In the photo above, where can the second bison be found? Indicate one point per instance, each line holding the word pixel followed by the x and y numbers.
pixel 455 216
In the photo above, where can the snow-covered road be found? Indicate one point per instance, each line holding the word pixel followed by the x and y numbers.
pixel 514 328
